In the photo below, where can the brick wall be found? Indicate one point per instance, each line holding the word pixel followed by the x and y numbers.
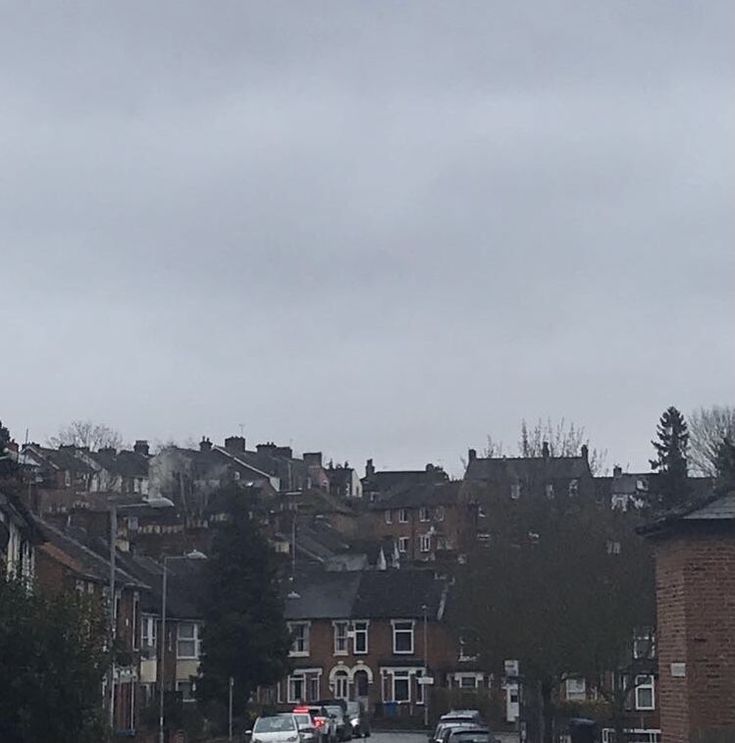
pixel 695 583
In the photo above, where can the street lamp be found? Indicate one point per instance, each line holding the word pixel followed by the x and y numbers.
pixel 425 610
pixel 155 502
pixel 193 555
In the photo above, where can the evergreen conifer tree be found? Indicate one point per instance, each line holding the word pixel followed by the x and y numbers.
pixel 670 488
pixel 245 636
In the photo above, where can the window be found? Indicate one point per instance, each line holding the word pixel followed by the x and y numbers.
pixel 613 547
pixel 401 686
pixel 403 516
pixel 424 514
pixel 515 490
pixel 295 688
pixel 313 687
pixel 549 489
pixel 573 487
pixel 340 638
pixel 466 681
pixel 300 638
pixel 342 685
pixel 388 516
pixel 644 693
pixel 403 544
pixel 425 543
pixel 187 689
pixel 481 513
pixel 148 631
pixel 644 643
pixel 188 641
pixel 402 637
pixel 361 638
pixel 439 513
pixel 576 689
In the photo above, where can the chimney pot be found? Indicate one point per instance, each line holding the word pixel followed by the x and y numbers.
pixel 472 455
pixel 545 453
pixel 617 471
pixel 369 468
pixel 205 444
pixel 141 447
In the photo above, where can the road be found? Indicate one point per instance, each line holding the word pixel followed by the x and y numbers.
pixel 401 737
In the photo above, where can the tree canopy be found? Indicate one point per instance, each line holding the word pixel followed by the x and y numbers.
pixel 245 635
pixel 53 664
pixel 707 429
pixel 87 433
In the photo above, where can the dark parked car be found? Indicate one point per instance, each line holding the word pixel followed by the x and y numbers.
pixel 358 717
pixel 475 734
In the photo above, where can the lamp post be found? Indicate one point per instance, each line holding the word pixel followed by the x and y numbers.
pixel 425 610
pixel 193 555
pixel 157 502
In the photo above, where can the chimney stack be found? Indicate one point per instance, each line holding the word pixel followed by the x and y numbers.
pixel 617 471
pixel 585 452
pixel 369 468
pixel 141 447
pixel 545 453
pixel 235 444
pixel 205 444
pixel 471 455
pixel 313 459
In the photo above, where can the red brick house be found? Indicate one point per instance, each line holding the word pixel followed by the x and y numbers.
pixel 695 587
pixel 370 636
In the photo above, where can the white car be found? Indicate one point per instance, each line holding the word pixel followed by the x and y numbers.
pixel 275 729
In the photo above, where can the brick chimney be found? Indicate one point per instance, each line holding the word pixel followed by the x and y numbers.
pixel 369 468
pixel 284 451
pixel 585 452
pixel 617 471
pixel 313 459
pixel 545 453
pixel 141 447
pixel 205 444
pixel 235 444
pixel 471 455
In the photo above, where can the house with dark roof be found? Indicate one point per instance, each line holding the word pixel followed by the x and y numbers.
pixel 20 538
pixel 378 483
pixel 522 477
pixel 429 521
pixel 370 636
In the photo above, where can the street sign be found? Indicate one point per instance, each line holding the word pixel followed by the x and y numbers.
pixel 425 680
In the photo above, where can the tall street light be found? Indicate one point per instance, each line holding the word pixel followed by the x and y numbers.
pixel 193 555
pixel 155 502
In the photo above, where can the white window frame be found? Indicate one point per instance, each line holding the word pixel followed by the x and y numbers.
pixel 402 676
pixel 647 637
pixel 424 514
pixel 515 490
pixel 440 513
pixel 459 679
pixel 361 630
pixel 424 543
pixel 645 683
pixel 299 676
pixel 549 489
pixel 148 632
pixel 341 629
pixel 195 638
pixel 403 543
pixel 402 515
pixel 403 630
pixel 575 689
pixel 388 516
pixel 305 639
pixel 193 688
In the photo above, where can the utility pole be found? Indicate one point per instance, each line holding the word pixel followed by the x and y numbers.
pixel 229 733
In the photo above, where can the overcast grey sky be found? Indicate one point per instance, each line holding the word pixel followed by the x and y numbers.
pixel 378 229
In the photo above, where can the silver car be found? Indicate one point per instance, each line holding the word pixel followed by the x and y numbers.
pixel 276 729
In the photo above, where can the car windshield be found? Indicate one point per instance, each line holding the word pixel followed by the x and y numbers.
pixel 335 710
pixel 304 721
pixel 274 724
pixel 469 736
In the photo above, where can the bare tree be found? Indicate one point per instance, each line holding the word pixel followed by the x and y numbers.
pixel 564 440
pixel 493 448
pixel 708 427
pixel 87 434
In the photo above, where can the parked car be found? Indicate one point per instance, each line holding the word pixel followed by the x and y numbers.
pixel 476 734
pixel 344 729
pixel 324 722
pixel 308 730
pixel 445 727
pixel 358 717
pixel 460 715
pixel 275 729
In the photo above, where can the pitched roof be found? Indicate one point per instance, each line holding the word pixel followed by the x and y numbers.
pixel 503 469
pixel 421 494
pixel 124 463
pixel 718 507
pixel 322 595
pixel 386 480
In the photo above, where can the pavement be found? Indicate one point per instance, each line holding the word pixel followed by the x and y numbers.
pixel 404 737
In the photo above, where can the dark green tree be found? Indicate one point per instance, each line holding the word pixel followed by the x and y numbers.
pixel 725 474
pixel 245 635
pixel 568 581
pixel 53 663
pixel 670 487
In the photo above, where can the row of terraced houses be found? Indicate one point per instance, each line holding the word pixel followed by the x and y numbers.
pixel 370 605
